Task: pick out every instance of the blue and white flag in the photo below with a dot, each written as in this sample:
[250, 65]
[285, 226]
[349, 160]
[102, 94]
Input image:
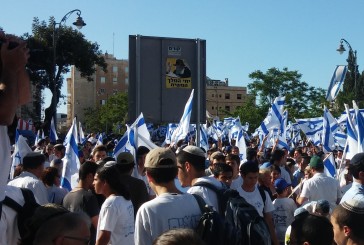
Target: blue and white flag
[38, 137]
[52, 132]
[329, 165]
[282, 138]
[121, 145]
[139, 128]
[235, 129]
[170, 130]
[359, 128]
[328, 141]
[274, 117]
[21, 149]
[183, 127]
[240, 143]
[100, 139]
[310, 126]
[81, 133]
[71, 163]
[203, 137]
[352, 137]
[337, 79]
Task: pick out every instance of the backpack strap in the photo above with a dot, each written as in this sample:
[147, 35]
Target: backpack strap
[28, 195]
[12, 204]
[217, 192]
[201, 203]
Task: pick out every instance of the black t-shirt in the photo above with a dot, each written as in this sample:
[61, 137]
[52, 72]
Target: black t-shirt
[85, 201]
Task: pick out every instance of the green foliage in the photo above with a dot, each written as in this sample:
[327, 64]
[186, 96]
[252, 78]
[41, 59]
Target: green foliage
[302, 100]
[71, 49]
[109, 116]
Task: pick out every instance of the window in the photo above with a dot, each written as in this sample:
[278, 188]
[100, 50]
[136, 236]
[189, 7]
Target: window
[126, 80]
[227, 96]
[212, 108]
[219, 95]
[213, 95]
[114, 79]
[126, 69]
[102, 79]
[114, 69]
[102, 102]
[227, 108]
[102, 90]
[238, 96]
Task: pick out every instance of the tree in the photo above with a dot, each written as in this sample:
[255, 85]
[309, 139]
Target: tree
[71, 49]
[302, 100]
[108, 117]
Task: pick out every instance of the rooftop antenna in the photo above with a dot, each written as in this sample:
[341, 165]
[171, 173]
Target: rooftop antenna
[113, 41]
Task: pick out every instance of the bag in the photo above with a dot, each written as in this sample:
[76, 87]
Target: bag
[24, 212]
[240, 222]
[212, 228]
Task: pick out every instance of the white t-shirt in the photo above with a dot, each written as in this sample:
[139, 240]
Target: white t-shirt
[9, 233]
[255, 199]
[207, 194]
[283, 216]
[285, 175]
[117, 216]
[320, 186]
[5, 159]
[236, 183]
[165, 212]
[30, 181]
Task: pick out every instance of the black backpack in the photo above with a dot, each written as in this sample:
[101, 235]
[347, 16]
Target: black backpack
[239, 223]
[24, 212]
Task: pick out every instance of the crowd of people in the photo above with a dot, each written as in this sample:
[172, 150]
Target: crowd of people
[147, 198]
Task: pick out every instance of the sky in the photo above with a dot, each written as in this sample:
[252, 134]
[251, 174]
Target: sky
[241, 36]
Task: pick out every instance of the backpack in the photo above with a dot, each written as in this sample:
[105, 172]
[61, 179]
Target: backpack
[239, 223]
[24, 212]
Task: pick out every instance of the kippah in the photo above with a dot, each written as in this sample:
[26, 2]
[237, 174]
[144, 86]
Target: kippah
[109, 164]
[194, 150]
[355, 206]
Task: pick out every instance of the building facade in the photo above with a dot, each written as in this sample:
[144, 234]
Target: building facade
[83, 94]
[222, 98]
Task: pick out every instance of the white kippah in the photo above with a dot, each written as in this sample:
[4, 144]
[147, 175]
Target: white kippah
[355, 206]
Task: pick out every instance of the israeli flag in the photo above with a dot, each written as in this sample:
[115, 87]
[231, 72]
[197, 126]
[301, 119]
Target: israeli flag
[337, 79]
[21, 149]
[71, 163]
[183, 127]
[240, 143]
[100, 139]
[121, 145]
[310, 126]
[170, 130]
[203, 137]
[328, 141]
[234, 130]
[352, 137]
[282, 138]
[81, 133]
[140, 128]
[329, 166]
[359, 127]
[38, 137]
[274, 117]
[52, 132]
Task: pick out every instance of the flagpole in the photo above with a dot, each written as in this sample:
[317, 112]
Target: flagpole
[198, 92]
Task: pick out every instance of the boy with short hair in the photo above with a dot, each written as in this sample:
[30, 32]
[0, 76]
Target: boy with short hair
[223, 173]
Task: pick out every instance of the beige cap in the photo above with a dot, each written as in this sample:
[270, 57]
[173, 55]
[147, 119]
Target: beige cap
[155, 156]
[194, 150]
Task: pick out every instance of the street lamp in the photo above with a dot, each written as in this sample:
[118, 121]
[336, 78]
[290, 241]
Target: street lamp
[351, 60]
[79, 23]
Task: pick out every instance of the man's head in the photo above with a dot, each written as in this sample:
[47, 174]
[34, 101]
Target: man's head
[87, 172]
[316, 164]
[99, 153]
[33, 162]
[191, 164]
[297, 154]
[249, 171]
[224, 173]
[125, 163]
[160, 165]
[357, 167]
[234, 162]
[235, 150]
[281, 186]
[141, 154]
[311, 230]
[277, 157]
[348, 222]
[59, 151]
[216, 157]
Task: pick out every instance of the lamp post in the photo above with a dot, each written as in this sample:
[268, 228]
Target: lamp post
[79, 23]
[351, 61]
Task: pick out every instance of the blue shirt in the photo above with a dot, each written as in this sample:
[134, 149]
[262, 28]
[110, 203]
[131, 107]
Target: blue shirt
[356, 192]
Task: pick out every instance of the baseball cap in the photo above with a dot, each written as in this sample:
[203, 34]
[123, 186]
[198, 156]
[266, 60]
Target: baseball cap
[316, 162]
[155, 157]
[194, 150]
[281, 184]
[265, 165]
[125, 158]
